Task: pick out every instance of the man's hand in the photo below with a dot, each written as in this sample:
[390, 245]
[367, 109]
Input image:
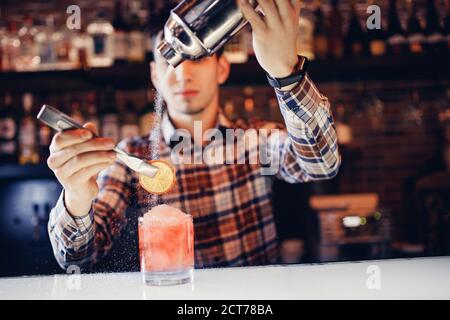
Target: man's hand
[274, 34]
[76, 158]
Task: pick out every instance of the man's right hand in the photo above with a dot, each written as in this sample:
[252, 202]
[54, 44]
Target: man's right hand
[76, 158]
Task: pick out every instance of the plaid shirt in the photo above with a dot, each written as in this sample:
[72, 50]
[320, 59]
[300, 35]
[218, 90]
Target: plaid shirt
[230, 203]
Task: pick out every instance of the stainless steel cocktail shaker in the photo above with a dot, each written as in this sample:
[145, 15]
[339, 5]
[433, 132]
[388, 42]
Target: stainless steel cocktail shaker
[197, 28]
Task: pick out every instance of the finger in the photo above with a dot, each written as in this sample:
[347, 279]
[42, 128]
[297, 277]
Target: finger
[91, 127]
[270, 12]
[85, 160]
[286, 9]
[67, 138]
[87, 173]
[298, 4]
[59, 158]
[256, 21]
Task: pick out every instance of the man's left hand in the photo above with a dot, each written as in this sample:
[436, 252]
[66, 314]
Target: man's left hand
[274, 34]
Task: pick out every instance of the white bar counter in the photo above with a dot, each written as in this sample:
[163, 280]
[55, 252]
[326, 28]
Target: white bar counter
[419, 278]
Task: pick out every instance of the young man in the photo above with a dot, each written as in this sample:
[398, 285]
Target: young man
[230, 203]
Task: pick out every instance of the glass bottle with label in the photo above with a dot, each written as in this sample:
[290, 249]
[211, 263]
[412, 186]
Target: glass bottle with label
[129, 125]
[447, 23]
[28, 153]
[416, 37]
[91, 110]
[396, 35]
[249, 101]
[120, 33]
[45, 45]
[336, 38]
[320, 33]
[435, 38]
[62, 40]
[101, 33]
[81, 49]
[146, 115]
[75, 111]
[136, 41]
[376, 38]
[10, 44]
[356, 44]
[230, 110]
[27, 58]
[110, 120]
[8, 131]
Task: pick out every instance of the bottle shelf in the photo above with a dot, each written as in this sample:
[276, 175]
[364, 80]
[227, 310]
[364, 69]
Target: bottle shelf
[137, 76]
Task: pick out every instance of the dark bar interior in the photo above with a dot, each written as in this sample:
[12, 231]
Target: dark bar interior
[388, 88]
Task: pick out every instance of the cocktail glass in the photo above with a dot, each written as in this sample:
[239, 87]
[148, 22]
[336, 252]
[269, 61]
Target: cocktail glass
[166, 246]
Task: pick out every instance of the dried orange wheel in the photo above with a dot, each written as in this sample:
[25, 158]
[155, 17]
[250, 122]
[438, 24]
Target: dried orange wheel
[162, 182]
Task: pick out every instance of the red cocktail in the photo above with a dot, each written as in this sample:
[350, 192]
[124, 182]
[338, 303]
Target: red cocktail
[166, 246]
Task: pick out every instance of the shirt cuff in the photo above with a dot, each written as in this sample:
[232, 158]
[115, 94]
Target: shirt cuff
[78, 226]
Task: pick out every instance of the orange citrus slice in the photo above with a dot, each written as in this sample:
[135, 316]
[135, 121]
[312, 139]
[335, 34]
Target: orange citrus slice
[162, 182]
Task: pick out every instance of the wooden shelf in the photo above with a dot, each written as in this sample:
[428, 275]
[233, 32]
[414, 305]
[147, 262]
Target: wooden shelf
[136, 76]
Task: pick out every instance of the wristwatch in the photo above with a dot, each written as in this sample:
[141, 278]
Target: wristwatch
[297, 76]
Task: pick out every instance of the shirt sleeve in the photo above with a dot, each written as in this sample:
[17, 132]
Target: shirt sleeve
[81, 241]
[308, 151]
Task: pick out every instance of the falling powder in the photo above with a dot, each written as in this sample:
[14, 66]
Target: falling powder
[155, 137]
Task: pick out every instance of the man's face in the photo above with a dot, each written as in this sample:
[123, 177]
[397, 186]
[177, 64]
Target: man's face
[193, 86]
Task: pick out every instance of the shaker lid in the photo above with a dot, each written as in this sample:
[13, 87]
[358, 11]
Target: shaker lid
[170, 54]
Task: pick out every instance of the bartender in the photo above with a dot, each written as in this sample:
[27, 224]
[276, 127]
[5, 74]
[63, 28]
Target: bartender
[231, 203]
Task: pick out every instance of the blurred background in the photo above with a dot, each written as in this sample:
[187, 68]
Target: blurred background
[389, 91]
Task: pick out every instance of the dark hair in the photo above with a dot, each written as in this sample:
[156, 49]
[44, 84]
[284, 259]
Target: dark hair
[158, 37]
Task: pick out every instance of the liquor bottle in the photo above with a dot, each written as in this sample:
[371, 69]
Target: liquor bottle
[336, 38]
[376, 38]
[146, 114]
[27, 58]
[435, 38]
[249, 101]
[447, 23]
[91, 110]
[343, 128]
[305, 40]
[396, 35]
[28, 153]
[81, 49]
[120, 34]
[8, 131]
[320, 33]
[136, 41]
[109, 118]
[355, 41]
[230, 110]
[154, 21]
[62, 41]
[101, 32]
[10, 44]
[129, 125]
[75, 111]
[45, 44]
[416, 36]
